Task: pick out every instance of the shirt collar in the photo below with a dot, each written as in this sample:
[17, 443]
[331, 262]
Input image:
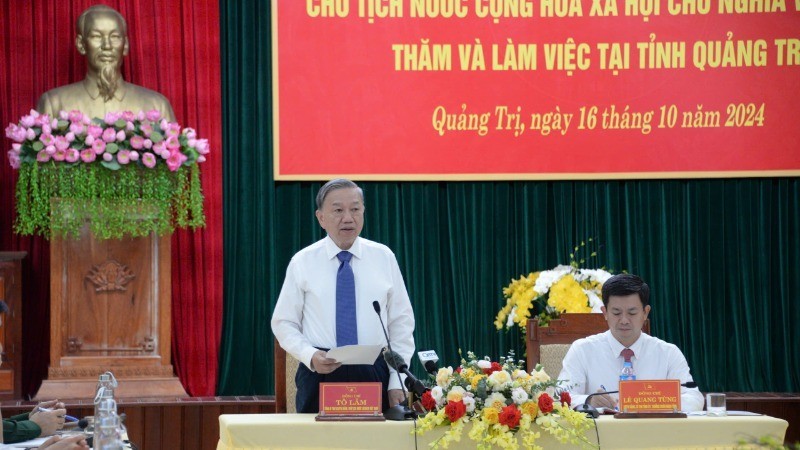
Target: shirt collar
[331, 249]
[616, 347]
[94, 91]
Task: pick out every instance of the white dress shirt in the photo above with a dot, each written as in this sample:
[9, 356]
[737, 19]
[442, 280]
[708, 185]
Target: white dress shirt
[594, 363]
[305, 314]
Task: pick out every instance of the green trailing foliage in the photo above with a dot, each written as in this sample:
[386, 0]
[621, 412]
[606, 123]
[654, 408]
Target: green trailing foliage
[133, 201]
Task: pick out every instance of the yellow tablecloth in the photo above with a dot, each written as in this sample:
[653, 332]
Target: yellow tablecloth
[301, 431]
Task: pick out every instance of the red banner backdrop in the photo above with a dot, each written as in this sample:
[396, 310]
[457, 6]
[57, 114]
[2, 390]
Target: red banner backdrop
[546, 89]
[175, 51]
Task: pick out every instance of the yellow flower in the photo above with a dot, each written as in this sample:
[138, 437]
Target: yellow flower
[566, 295]
[456, 394]
[475, 380]
[545, 295]
[443, 376]
[491, 415]
[467, 373]
[530, 408]
[499, 379]
[540, 376]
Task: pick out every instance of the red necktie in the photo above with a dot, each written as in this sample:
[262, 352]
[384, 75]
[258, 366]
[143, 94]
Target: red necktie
[627, 354]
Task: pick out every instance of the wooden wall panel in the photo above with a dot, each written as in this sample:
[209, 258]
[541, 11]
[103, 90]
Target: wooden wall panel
[177, 424]
[172, 427]
[192, 424]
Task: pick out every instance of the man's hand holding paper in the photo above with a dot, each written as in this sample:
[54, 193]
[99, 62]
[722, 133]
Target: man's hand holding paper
[355, 354]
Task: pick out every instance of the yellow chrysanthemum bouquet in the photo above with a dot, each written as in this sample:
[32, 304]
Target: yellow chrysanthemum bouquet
[550, 293]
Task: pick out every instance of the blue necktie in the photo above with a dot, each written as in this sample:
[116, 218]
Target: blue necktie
[346, 326]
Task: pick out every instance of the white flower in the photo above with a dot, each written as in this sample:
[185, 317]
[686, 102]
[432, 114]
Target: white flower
[469, 402]
[594, 301]
[599, 275]
[438, 394]
[443, 376]
[510, 320]
[499, 380]
[519, 396]
[519, 373]
[548, 277]
[540, 376]
[495, 397]
[456, 394]
[484, 364]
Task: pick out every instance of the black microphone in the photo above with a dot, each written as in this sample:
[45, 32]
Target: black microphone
[428, 358]
[397, 412]
[431, 367]
[592, 412]
[377, 307]
[82, 424]
[397, 363]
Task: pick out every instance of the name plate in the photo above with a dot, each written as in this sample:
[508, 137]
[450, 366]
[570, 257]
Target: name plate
[650, 396]
[350, 401]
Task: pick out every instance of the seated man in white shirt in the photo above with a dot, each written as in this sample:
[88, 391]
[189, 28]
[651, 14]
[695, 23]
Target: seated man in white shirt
[314, 313]
[593, 364]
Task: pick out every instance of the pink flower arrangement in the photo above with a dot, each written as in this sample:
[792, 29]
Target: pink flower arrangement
[116, 140]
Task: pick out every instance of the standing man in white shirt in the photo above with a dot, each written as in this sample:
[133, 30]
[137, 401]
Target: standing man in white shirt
[316, 310]
[593, 364]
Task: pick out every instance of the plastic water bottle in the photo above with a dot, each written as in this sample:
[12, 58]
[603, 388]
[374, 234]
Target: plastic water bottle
[627, 373]
[105, 388]
[107, 432]
[106, 384]
[107, 381]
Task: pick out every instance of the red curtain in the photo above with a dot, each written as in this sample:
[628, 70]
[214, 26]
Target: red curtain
[175, 51]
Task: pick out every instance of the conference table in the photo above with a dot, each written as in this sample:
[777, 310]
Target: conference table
[301, 431]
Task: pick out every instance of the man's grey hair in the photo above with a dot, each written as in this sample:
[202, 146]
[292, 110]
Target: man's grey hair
[100, 9]
[338, 183]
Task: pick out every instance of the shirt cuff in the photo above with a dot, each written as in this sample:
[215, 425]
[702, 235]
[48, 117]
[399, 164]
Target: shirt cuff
[394, 383]
[307, 356]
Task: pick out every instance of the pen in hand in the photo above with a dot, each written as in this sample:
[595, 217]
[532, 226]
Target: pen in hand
[67, 417]
[613, 408]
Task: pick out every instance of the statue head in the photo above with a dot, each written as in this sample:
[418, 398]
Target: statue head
[102, 36]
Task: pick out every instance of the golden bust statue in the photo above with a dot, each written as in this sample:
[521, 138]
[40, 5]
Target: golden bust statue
[102, 36]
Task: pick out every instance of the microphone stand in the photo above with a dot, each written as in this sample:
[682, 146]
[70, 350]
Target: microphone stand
[401, 411]
[590, 410]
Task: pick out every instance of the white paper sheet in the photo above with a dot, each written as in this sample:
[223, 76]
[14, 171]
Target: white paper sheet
[355, 354]
[34, 442]
[729, 412]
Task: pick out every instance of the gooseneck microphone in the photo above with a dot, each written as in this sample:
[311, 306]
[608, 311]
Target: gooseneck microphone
[397, 363]
[377, 307]
[592, 412]
[401, 411]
